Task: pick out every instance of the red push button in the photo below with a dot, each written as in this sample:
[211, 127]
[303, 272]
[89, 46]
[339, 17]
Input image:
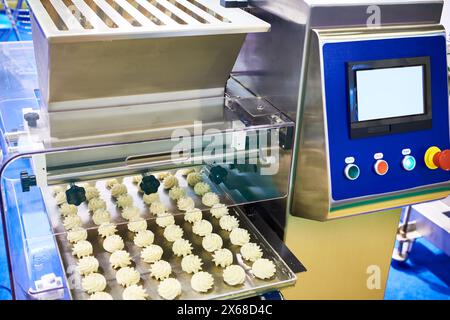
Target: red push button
[442, 160]
[381, 167]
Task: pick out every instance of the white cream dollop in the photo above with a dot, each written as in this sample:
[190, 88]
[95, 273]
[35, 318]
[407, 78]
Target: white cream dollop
[134, 292]
[137, 179]
[91, 193]
[87, 265]
[94, 282]
[82, 248]
[234, 275]
[181, 247]
[169, 288]
[71, 222]
[60, 198]
[228, 222]
[193, 215]
[184, 172]
[127, 276]
[68, 209]
[151, 253]
[165, 220]
[239, 236]
[77, 234]
[185, 203]
[150, 198]
[84, 185]
[124, 200]
[56, 190]
[201, 188]
[263, 269]
[118, 189]
[144, 238]
[158, 208]
[106, 230]
[162, 175]
[100, 295]
[120, 259]
[251, 251]
[223, 258]
[176, 193]
[113, 243]
[137, 224]
[101, 216]
[202, 228]
[96, 203]
[191, 264]
[170, 181]
[219, 210]
[202, 281]
[160, 270]
[131, 213]
[173, 232]
[212, 242]
[209, 199]
[193, 178]
[111, 182]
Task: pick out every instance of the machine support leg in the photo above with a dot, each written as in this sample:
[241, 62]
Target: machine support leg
[406, 235]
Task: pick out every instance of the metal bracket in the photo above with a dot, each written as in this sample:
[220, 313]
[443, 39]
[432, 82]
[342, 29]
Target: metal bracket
[27, 181]
[406, 236]
[287, 138]
[49, 287]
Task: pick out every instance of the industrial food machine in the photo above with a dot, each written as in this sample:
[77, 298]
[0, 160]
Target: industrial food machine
[308, 119]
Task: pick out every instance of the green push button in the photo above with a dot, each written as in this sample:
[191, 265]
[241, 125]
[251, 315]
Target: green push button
[352, 171]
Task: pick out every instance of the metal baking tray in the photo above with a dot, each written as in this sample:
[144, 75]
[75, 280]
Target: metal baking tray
[252, 286]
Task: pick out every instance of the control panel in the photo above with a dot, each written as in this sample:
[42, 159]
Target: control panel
[387, 115]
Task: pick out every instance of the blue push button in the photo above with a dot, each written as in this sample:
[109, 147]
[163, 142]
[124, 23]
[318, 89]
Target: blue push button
[352, 171]
[409, 163]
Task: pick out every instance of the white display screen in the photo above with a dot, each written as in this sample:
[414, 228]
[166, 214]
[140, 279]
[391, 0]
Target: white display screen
[390, 92]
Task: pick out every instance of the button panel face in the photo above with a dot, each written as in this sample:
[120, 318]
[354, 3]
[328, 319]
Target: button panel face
[335, 60]
[381, 167]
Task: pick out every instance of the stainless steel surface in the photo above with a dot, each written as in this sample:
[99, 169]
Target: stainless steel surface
[122, 73]
[120, 54]
[69, 20]
[252, 286]
[272, 65]
[432, 221]
[310, 196]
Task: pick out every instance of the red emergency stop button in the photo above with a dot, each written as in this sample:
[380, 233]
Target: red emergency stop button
[442, 160]
[381, 167]
[436, 158]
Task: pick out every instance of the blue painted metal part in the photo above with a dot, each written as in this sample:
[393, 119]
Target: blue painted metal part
[273, 295]
[335, 57]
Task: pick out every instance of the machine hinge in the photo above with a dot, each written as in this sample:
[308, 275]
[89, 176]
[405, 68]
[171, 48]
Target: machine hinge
[27, 181]
[287, 138]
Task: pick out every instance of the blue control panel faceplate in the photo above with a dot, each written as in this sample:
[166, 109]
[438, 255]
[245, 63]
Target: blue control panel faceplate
[336, 57]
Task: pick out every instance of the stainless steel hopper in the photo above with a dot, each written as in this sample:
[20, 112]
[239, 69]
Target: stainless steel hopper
[103, 54]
